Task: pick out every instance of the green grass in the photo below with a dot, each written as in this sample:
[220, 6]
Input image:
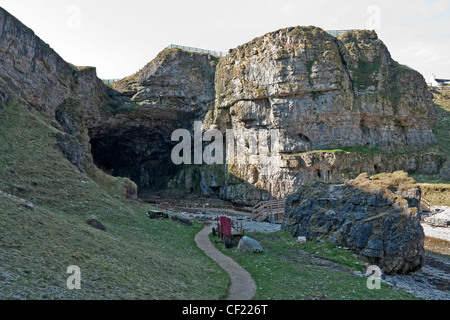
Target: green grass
[329, 251]
[366, 72]
[286, 270]
[135, 258]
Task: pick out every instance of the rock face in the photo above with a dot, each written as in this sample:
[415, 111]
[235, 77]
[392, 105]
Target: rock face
[175, 79]
[376, 218]
[71, 97]
[253, 183]
[324, 92]
[39, 75]
[169, 93]
[320, 92]
[444, 173]
[46, 82]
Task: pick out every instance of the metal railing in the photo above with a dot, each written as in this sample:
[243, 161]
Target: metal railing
[192, 49]
[335, 33]
[107, 81]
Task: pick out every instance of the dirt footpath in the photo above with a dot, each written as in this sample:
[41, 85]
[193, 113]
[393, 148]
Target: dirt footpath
[242, 285]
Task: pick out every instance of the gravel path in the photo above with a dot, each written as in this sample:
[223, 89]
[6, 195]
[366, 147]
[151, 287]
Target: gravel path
[242, 285]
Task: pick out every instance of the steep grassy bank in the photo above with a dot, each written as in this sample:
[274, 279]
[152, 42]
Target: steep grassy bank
[45, 203]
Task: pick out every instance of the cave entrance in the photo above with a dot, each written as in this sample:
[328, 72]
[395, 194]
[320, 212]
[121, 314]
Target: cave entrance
[142, 156]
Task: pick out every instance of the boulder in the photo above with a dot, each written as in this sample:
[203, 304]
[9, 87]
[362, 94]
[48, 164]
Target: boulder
[366, 215]
[96, 224]
[247, 244]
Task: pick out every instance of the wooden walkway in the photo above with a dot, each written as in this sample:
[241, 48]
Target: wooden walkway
[271, 209]
[425, 204]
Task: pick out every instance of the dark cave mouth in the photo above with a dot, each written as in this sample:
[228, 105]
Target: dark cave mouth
[145, 161]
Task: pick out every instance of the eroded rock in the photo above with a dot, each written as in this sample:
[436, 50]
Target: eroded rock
[366, 215]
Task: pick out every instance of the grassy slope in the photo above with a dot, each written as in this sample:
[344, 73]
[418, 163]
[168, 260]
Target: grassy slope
[284, 271]
[136, 258]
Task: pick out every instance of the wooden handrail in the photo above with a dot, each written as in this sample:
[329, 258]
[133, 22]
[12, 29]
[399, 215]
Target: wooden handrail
[425, 204]
[262, 209]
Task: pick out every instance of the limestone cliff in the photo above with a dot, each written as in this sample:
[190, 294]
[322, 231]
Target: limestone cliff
[39, 75]
[175, 79]
[171, 92]
[322, 93]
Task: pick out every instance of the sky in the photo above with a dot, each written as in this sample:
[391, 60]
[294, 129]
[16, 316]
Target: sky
[120, 37]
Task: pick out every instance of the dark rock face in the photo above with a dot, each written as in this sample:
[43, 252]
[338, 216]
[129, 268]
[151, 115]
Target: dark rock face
[169, 93]
[375, 222]
[444, 173]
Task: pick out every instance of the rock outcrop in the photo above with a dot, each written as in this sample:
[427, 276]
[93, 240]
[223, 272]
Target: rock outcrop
[377, 218]
[324, 92]
[444, 173]
[321, 93]
[71, 97]
[169, 93]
